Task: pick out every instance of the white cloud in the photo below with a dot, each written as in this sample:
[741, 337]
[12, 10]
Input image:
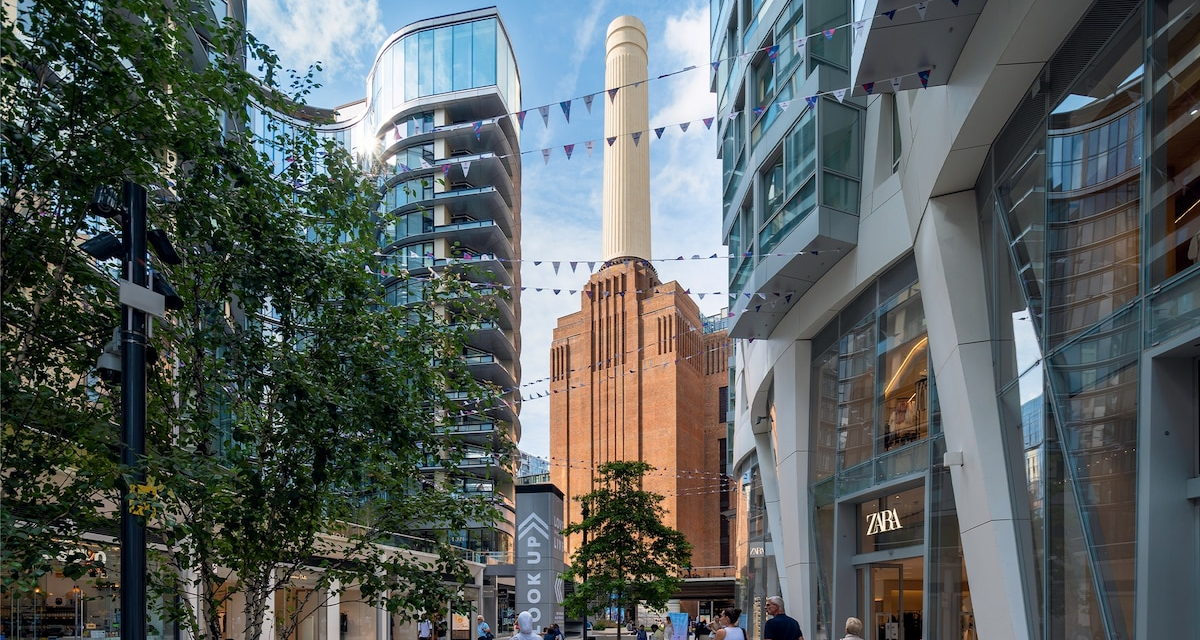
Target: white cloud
[339, 35]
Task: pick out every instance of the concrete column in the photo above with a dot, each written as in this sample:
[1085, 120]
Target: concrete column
[626, 215]
[993, 518]
[333, 610]
[790, 528]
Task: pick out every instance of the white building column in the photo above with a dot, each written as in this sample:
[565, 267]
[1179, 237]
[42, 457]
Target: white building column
[993, 519]
[333, 611]
[268, 621]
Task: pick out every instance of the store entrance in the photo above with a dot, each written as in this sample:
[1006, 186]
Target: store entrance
[893, 593]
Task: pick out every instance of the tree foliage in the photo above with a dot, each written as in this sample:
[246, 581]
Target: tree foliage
[630, 557]
[291, 408]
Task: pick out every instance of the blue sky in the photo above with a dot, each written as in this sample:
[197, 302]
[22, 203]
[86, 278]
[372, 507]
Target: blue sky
[560, 53]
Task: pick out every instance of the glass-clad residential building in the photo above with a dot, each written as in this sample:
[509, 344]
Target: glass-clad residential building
[438, 131]
[970, 405]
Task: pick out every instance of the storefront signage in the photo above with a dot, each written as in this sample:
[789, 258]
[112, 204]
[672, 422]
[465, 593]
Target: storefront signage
[883, 521]
[758, 550]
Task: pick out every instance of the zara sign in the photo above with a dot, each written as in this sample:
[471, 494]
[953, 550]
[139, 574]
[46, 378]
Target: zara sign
[883, 521]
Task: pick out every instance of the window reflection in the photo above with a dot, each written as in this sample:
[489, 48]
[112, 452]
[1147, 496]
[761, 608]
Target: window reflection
[904, 372]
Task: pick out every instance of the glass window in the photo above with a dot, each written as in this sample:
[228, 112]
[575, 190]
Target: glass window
[483, 71]
[840, 148]
[443, 60]
[800, 151]
[462, 56]
[903, 371]
[411, 61]
[856, 394]
[1174, 117]
[426, 63]
[825, 415]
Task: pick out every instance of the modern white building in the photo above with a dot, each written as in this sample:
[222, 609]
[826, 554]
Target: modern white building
[964, 238]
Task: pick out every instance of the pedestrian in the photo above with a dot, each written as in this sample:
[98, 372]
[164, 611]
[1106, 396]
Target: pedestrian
[641, 633]
[425, 629]
[525, 627]
[854, 629]
[656, 632]
[558, 634]
[482, 629]
[780, 626]
[729, 627]
[701, 629]
[547, 633]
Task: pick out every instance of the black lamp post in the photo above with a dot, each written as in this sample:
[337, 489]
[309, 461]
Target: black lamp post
[139, 296]
[584, 509]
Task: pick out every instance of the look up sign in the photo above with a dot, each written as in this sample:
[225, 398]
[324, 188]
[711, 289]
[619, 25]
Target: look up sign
[539, 553]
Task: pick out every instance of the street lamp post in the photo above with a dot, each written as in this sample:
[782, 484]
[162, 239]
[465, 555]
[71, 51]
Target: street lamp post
[584, 509]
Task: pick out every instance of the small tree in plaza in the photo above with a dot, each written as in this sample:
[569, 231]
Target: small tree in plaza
[629, 557]
[297, 403]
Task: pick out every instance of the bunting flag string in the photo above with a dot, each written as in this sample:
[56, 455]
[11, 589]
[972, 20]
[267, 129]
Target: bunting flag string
[772, 52]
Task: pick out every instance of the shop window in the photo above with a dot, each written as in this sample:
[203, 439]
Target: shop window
[892, 521]
[1174, 120]
[903, 372]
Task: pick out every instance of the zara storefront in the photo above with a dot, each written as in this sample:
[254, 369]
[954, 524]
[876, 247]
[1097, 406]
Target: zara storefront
[982, 421]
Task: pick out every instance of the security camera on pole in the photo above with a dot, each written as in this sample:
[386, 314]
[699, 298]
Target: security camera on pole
[137, 300]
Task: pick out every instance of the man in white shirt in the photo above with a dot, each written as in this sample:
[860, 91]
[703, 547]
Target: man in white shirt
[424, 629]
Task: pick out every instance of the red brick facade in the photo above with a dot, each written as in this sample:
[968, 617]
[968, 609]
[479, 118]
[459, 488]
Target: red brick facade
[634, 377]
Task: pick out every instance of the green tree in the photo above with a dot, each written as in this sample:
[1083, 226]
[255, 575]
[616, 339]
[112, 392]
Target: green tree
[630, 557]
[294, 411]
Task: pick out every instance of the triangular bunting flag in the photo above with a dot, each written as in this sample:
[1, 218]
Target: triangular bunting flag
[716, 65]
[701, 294]
[869, 87]
[858, 29]
[800, 42]
[773, 53]
[891, 15]
[521, 118]
[758, 111]
[466, 167]
[829, 33]
[611, 140]
[955, 2]
[638, 84]
[895, 84]
[545, 111]
[924, 76]
[569, 149]
[783, 105]
[637, 136]
[733, 114]
[684, 125]
[589, 144]
[546, 156]
[425, 164]
[658, 132]
[398, 134]
[840, 94]
[476, 127]
[811, 100]
[573, 265]
[921, 7]
[556, 291]
[707, 123]
[446, 169]
[404, 168]
[587, 101]
[745, 56]
[612, 94]
[566, 107]
[591, 266]
[555, 264]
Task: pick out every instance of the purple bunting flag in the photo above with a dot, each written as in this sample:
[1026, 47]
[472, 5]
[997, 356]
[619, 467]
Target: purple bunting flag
[404, 168]
[446, 169]
[829, 33]
[811, 100]
[587, 101]
[637, 136]
[476, 127]
[869, 87]
[716, 65]
[658, 132]
[611, 140]
[758, 111]
[568, 149]
[612, 94]
[708, 123]
[566, 107]
[891, 15]
[773, 53]
[924, 76]
[521, 118]
[683, 126]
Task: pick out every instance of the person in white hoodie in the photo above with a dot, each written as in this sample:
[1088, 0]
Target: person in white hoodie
[525, 629]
